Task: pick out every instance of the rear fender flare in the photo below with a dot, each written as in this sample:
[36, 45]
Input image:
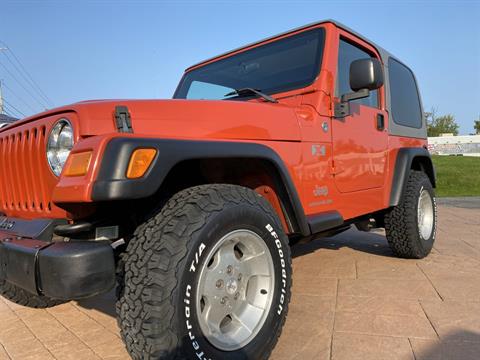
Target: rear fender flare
[408, 158]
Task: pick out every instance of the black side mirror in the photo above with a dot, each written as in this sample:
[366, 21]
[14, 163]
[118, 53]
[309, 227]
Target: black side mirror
[365, 75]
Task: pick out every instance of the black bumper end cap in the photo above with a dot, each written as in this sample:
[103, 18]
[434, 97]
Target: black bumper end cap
[63, 270]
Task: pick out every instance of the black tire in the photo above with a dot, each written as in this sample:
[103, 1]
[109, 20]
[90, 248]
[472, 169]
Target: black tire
[401, 222]
[22, 297]
[155, 273]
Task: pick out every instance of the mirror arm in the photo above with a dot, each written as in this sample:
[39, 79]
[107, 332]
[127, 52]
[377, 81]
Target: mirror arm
[360, 94]
[342, 109]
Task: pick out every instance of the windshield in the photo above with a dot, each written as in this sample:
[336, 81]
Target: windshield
[282, 65]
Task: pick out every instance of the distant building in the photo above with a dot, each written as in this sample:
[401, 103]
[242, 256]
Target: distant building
[6, 120]
[468, 145]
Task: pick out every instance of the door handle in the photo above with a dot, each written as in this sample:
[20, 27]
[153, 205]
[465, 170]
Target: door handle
[380, 122]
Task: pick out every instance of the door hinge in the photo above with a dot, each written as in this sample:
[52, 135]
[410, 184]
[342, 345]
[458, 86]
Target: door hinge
[341, 110]
[123, 119]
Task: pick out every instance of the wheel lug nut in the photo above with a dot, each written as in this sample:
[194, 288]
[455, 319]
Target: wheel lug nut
[219, 284]
[223, 300]
[237, 295]
[240, 277]
[229, 269]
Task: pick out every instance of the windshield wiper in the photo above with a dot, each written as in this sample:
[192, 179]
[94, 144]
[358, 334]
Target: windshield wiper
[250, 91]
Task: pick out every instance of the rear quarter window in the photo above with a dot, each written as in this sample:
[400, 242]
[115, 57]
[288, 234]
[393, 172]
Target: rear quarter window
[404, 98]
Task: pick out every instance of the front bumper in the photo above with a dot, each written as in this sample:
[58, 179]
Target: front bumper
[60, 270]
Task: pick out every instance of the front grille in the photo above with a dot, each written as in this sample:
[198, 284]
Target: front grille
[26, 183]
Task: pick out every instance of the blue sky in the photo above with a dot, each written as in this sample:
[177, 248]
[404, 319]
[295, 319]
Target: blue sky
[78, 50]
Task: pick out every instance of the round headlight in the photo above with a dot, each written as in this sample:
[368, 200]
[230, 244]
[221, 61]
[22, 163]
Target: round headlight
[60, 143]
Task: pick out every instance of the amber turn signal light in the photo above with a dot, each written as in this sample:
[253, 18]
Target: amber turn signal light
[77, 164]
[140, 161]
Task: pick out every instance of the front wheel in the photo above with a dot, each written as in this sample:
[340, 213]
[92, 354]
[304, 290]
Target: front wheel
[208, 277]
[411, 225]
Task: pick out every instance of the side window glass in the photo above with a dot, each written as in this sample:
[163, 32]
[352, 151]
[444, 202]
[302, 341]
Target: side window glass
[347, 53]
[404, 97]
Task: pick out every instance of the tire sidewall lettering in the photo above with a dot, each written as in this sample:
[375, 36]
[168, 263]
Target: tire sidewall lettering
[278, 243]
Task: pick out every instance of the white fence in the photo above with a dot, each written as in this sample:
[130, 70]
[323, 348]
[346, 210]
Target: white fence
[455, 145]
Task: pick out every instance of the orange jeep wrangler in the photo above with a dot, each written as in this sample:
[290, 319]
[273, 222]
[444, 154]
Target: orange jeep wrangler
[190, 205]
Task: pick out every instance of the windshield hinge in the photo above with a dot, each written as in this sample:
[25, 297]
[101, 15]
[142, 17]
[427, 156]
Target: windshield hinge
[123, 119]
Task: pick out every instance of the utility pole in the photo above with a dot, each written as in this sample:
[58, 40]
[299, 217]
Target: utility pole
[1, 98]
[1, 95]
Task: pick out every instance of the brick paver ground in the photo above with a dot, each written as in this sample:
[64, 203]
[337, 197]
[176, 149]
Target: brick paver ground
[351, 300]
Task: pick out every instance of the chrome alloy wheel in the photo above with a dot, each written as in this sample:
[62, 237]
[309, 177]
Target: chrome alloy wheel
[425, 214]
[235, 290]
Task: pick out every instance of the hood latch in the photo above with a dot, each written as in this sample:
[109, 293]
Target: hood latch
[123, 119]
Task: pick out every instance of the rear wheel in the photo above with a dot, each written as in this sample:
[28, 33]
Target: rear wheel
[207, 277]
[411, 225]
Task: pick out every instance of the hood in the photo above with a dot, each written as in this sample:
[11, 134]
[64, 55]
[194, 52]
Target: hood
[199, 119]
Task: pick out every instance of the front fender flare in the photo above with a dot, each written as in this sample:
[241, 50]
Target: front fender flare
[111, 183]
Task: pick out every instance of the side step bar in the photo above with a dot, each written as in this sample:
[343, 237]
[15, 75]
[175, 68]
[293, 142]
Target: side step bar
[324, 221]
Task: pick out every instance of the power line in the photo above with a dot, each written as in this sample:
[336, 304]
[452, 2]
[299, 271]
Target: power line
[28, 78]
[7, 113]
[24, 88]
[31, 78]
[7, 110]
[13, 107]
[27, 81]
[18, 97]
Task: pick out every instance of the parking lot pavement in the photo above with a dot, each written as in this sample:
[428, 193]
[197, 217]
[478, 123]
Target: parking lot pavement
[351, 300]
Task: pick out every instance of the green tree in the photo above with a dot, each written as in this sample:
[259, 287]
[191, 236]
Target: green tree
[441, 125]
[476, 126]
